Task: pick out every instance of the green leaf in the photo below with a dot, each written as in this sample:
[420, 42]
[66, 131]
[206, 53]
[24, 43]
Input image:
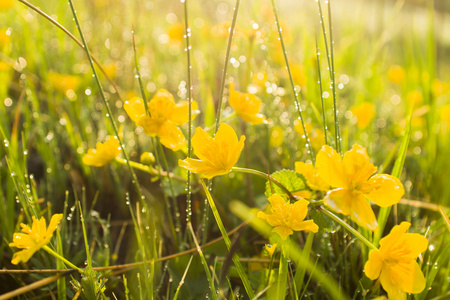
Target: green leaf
[323, 221]
[293, 181]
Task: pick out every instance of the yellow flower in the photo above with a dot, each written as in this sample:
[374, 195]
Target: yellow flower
[314, 181]
[175, 33]
[5, 38]
[103, 154]
[164, 116]
[444, 113]
[395, 262]
[364, 113]
[270, 249]
[286, 217]
[34, 238]
[316, 136]
[414, 97]
[396, 74]
[63, 82]
[247, 106]
[352, 179]
[6, 5]
[217, 155]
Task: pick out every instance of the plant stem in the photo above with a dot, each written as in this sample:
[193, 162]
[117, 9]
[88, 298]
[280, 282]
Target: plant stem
[49, 250]
[105, 102]
[352, 230]
[149, 169]
[294, 91]
[189, 145]
[227, 58]
[265, 176]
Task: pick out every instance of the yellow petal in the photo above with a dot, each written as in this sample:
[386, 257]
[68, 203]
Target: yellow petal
[389, 242]
[314, 181]
[162, 105]
[54, 221]
[330, 167]
[415, 243]
[339, 200]
[247, 106]
[414, 282]
[357, 165]
[372, 268]
[205, 169]
[275, 200]
[228, 148]
[21, 240]
[180, 114]
[23, 256]
[300, 209]
[363, 214]
[135, 108]
[398, 278]
[283, 231]
[353, 204]
[386, 190]
[150, 125]
[171, 136]
[203, 145]
[253, 119]
[307, 226]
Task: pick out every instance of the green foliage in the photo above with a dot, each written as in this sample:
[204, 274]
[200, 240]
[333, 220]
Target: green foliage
[293, 181]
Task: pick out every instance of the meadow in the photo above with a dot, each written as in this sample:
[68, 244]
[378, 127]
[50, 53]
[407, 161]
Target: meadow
[225, 149]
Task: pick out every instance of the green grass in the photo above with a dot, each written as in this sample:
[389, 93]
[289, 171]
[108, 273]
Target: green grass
[133, 238]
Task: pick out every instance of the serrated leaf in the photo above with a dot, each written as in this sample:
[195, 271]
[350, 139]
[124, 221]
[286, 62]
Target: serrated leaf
[293, 181]
[324, 222]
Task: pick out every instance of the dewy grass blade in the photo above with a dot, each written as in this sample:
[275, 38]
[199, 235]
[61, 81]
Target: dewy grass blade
[227, 241]
[138, 74]
[53, 21]
[227, 58]
[187, 36]
[295, 253]
[105, 102]
[324, 118]
[333, 83]
[294, 91]
[396, 172]
[204, 262]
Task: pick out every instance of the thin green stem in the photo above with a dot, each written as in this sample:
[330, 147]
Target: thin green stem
[324, 118]
[187, 36]
[105, 102]
[333, 83]
[324, 31]
[150, 169]
[174, 199]
[227, 241]
[138, 74]
[294, 91]
[265, 176]
[166, 201]
[227, 58]
[282, 274]
[49, 250]
[352, 230]
[68, 33]
[229, 117]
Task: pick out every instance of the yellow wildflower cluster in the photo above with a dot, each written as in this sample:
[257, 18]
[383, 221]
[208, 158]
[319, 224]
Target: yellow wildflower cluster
[352, 183]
